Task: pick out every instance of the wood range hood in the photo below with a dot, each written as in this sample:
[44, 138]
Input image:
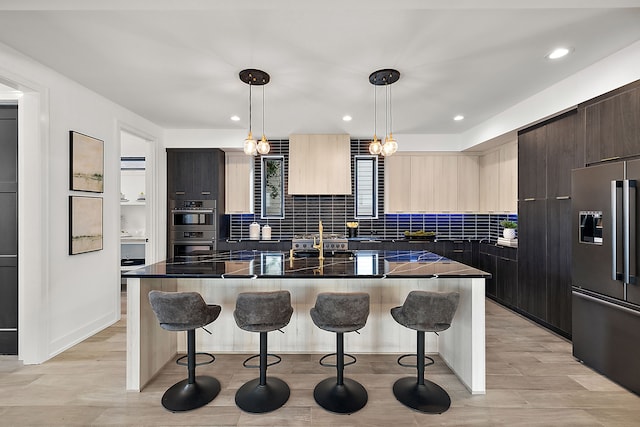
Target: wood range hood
[319, 164]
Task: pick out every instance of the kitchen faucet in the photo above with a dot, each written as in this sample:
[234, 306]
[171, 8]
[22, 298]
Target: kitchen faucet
[320, 245]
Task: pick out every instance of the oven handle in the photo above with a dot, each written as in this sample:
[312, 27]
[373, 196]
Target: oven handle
[192, 211]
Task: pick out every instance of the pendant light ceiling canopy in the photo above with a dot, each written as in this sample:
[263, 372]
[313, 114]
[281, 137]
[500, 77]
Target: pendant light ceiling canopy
[385, 77]
[254, 77]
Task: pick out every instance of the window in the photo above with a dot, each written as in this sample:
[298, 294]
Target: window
[272, 178]
[366, 186]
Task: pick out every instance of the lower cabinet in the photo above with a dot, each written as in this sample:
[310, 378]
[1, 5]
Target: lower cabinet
[502, 263]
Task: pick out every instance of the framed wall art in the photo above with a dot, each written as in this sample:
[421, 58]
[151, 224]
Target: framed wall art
[85, 224]
[86, 163]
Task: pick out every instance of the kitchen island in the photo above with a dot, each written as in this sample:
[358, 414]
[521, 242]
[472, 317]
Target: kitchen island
[388, 276]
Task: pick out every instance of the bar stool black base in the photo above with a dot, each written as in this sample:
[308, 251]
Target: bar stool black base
[347, 398]
[183, 396]
[429, 398]
[256, 398]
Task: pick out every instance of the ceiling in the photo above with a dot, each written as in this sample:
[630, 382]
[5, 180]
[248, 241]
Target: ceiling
[176, 63]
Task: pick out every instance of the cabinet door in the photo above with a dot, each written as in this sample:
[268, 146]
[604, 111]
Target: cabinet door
[532, 257]
[559, 264]
[532, 164]
[445, 183]
[563, 154]
[238, 183]
[468, 183]
[507, 280]
[422, 184]
[490, 181]
[180, 174]
[205, 167]
[612, 126]
[508, 178]
[487, 263]
[397, 184]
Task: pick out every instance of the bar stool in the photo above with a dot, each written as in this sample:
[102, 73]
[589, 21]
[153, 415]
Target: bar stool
[340, 313]
[186, 311]
[424, 311]
[263, 312]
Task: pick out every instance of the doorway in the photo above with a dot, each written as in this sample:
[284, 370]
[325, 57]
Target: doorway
[134, 201]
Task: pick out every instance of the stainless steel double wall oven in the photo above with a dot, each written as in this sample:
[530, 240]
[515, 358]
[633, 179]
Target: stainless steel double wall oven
[192, 227]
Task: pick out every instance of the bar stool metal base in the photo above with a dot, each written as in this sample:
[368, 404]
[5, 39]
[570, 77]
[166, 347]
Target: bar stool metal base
[183, 396]
[345, 398]
[256, 398]
[429, 398]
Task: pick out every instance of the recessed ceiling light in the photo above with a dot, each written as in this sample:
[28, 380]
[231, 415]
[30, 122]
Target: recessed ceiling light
[458, 117]
[346, 118]
[558, 53]
[235, 118]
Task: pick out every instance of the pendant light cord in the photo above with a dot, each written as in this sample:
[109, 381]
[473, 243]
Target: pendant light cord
[263, 110]
[249, 106]
[375, 111]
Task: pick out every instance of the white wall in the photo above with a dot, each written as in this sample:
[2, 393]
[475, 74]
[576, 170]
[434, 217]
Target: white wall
[63, 299]
[617, 70]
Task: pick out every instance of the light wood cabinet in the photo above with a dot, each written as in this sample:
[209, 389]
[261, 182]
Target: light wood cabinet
[468, 183]
[499, 179]
[427, 182]
[397, 184]
[238, 183]
[319, 164]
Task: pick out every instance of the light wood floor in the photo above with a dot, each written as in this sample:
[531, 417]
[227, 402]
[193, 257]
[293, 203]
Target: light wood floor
[532, 379]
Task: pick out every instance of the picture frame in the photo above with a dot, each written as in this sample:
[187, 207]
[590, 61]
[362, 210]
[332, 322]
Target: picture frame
[85, 224]
[86, 163]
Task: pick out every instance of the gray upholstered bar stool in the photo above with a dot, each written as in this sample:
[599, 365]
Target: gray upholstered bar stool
[187, 311]
[263, 312]
[424, 311]
[340, 313]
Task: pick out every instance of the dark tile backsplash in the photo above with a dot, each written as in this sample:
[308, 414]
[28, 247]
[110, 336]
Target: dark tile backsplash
[302, 213]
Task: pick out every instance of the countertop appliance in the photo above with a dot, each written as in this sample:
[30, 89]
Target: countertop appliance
[605, 261]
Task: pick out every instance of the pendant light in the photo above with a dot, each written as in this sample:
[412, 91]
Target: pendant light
[375, 147]
[386, 78]
[253, 77]
[263, 146]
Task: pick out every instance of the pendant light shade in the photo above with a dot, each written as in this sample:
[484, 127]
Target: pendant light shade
[385, 78]
[254, 77]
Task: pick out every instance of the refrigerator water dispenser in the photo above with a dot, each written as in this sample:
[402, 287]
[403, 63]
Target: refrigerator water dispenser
[591, 227]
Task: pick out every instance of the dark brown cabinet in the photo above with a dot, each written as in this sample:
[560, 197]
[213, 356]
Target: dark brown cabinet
[502, 263]
[532, 164]
[198, 174]
[194, 174]
[612, 124]
[559, 264]
[548, 152]
[532, 258]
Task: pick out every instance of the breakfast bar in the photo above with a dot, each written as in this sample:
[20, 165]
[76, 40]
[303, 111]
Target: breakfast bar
[388, 276]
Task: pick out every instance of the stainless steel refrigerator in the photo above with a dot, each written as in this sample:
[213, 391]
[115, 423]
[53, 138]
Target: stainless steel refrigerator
[605, 261]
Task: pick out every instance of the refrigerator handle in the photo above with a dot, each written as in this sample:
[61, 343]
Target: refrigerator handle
[614, 229]
[629, 227]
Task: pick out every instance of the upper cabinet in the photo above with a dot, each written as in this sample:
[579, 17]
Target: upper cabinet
[499, 179]
[428, 182]
[612, 124]
[319, 164]
[193, 174]
[239, 177]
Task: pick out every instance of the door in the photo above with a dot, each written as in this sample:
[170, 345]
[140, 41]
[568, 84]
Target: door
[633, 289]
[593, 262]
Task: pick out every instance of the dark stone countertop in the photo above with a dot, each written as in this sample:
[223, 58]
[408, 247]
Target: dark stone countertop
[277, 264]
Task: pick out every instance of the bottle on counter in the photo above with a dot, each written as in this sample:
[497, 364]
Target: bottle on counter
[254, 231]
[266, 232]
